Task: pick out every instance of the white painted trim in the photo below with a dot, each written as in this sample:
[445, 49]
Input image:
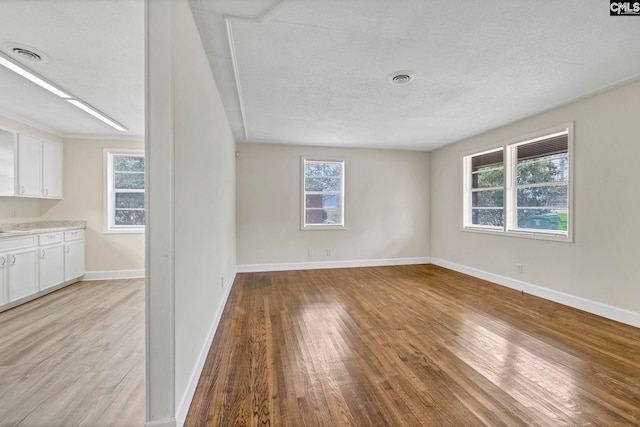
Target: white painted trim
[253, 268]
[113, 274]
[185, 403]
[236, 75]
[165, 422]
[594, 307]
[108, 226]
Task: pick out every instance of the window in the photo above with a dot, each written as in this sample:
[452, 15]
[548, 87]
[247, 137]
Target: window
[521, 188]
[124, 191]
[487, 189]
[323, 195]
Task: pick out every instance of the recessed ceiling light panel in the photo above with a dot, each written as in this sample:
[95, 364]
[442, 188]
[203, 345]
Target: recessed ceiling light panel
[402, 77]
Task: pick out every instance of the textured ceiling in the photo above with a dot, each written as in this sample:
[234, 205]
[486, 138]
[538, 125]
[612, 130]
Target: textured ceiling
[95, 51]
[316, 71]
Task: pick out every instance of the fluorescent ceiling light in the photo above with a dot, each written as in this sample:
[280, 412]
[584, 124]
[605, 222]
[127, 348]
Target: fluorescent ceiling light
[19, 69]
[97, 114]
[40, 81]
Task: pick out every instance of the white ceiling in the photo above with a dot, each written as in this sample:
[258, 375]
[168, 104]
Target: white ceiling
[95, 51]
[316, 71]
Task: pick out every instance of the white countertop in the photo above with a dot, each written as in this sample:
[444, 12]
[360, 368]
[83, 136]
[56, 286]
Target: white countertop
[23, 228]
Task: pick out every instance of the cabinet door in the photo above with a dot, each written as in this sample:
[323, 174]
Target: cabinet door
[7, 163]
[22, 274]
[4, 290]
[73, 260]
[51, 266]
[29, 166]
[51, 170]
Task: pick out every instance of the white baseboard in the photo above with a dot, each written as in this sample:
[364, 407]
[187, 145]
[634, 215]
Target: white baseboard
[185, 403]
[113, 274]
[254, 268]
[165, 422]
[600, 309]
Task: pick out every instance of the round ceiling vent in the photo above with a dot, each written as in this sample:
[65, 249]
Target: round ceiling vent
[402, 77]
[25, 52]
[30, 55]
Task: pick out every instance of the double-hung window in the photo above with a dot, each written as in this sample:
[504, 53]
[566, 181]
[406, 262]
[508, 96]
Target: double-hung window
[125, 211]
[322, 195]
[486, 189]
[521, 188]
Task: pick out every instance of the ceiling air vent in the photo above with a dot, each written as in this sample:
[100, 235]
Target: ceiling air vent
[24, 52]
[27, 54]
[401, 77]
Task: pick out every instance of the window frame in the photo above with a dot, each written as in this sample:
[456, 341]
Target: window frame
[468, 190]
[322, 227]
[510, 161]
[109, 191]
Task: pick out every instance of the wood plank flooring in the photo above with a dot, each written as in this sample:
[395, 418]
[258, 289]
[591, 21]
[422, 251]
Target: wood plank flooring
[411, 346]
[75, 357]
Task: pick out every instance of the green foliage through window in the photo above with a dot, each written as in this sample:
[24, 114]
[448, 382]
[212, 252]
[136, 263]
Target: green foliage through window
[539, 194]
[126, 192]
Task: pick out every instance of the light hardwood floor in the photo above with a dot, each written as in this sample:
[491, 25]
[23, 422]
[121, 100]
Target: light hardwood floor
[75, 357]
[410, 346]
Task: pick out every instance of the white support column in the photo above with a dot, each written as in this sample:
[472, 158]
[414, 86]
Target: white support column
[160, 276]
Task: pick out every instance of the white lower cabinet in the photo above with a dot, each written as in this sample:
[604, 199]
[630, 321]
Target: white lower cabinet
[22, 274]
[73, 254]
[4, 288]
[73, 260]
[18, 268]
[33, 264]
[50, 259]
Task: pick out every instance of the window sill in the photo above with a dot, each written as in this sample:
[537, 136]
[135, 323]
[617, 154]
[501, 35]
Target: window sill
[124, 231]
[323, 228]
[536, 235]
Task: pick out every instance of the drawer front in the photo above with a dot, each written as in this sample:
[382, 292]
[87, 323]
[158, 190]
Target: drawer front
[73, 235]
[7, 245]
[49, 238]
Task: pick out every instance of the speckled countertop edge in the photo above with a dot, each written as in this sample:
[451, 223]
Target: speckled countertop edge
[38, 227]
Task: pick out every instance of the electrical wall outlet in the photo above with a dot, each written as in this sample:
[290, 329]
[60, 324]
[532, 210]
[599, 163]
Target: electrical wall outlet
[329, 252]
[309, 252]
[520, 268]
[222, 282]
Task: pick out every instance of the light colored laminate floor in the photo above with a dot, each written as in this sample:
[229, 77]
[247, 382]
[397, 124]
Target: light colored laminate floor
[75, 357]
[411, 346]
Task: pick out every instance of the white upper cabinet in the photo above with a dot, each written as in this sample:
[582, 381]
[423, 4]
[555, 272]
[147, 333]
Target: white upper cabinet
[29, 166]
[51, 170]
[39, 168]
[7, 162]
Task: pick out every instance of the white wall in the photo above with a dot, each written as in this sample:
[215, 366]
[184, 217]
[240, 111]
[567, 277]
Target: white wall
[84, 199]
[386, 203]
[205, 168]
[602, 264]
[191, 198]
